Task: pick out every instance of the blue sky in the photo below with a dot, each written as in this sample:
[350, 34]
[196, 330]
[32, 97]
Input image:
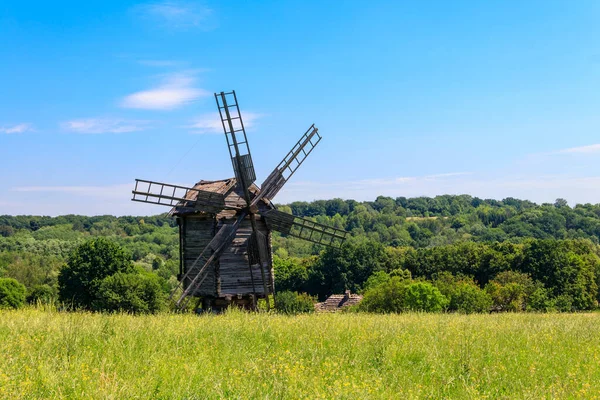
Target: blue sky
[492, 99]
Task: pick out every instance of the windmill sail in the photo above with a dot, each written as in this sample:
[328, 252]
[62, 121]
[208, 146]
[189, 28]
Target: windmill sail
[290, 163]
[174, 195]
[233, 126]
[305, 229]
[235, 134]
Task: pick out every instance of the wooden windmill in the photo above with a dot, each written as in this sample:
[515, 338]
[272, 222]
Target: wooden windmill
[225, 226]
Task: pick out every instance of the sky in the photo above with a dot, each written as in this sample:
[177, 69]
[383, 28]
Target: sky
[493, 99]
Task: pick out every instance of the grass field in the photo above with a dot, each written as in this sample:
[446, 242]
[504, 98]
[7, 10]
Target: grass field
[352, 356]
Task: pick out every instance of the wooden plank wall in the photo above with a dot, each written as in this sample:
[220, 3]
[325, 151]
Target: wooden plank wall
[234, 271]
[197, 233]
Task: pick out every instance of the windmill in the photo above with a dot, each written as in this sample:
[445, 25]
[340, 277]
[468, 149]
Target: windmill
[225, 226]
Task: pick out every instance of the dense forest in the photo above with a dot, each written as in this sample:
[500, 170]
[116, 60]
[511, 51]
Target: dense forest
[552, 248]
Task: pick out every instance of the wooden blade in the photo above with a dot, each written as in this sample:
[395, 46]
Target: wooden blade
[169, 195]
[290, 163]
[235, 134]
[305, 229]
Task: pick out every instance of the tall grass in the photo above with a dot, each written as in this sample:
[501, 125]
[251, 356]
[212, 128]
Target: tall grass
[45, 354]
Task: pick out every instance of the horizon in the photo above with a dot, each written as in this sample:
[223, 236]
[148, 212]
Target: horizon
[298, 201]
[489, 100]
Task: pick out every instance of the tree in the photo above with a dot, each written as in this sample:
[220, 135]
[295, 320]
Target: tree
[287, 302]
[12, 293]
[559, 203]
[130, 292]
[510, 291]
[463, 294]
[398, 295]
[423, 296]
[337, 270]
[44, 294]
[79, 280]
[290, 273]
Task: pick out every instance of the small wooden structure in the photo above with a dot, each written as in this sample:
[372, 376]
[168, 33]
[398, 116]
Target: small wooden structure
[337, 302]
[225, 226]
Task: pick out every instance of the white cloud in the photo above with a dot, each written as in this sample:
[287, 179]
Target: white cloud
[175, 91]
[592, 148]
[211, 122]
[19, 128]
[104, 125]
[177, 14]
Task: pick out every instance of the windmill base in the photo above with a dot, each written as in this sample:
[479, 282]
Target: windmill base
[217, 305]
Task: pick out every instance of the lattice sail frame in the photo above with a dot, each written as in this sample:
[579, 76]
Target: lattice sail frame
[233, 125]
[166, 194]
[304, 228]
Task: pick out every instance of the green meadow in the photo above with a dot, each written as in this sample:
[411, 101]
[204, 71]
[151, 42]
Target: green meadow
[49, 354]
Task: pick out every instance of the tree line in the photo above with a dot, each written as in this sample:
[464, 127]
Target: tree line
[545, 256]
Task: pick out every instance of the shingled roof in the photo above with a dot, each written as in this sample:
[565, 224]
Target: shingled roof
[336, 302]
[227, 187]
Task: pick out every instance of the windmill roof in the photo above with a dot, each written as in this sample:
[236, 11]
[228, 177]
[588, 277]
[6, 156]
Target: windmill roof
[227, 187]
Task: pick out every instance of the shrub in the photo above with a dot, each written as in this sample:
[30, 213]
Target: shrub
[399, 294]
[510, 291]
[563, 303]
[385, 298]
[539, 300]
[287, 302]
[44, 294]
[469, 298]
[87, 266]
[423, 296]
[12, 293]
[130, 292]
[463, 294]
[378, 278]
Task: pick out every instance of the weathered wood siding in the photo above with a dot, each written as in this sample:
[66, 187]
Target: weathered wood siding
[234, 270]
[197, 233]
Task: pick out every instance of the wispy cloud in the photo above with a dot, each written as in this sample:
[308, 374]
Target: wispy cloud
[211, 122]
[175, 91]
[177, 14]
[104, 125]
[592, 148]
[19, 128]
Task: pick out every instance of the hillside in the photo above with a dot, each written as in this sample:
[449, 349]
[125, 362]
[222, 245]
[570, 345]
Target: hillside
[426, 236]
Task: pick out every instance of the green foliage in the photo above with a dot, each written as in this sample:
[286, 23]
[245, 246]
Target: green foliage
[88, 265]
[423, 296]
[510, 291]
[287, 302]
[463, 294]
[347, 268]
[42, 294]
[567, 267]
[399, 295]
[130, 292]
[12, 293]
[557, 245]
[290, 273]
